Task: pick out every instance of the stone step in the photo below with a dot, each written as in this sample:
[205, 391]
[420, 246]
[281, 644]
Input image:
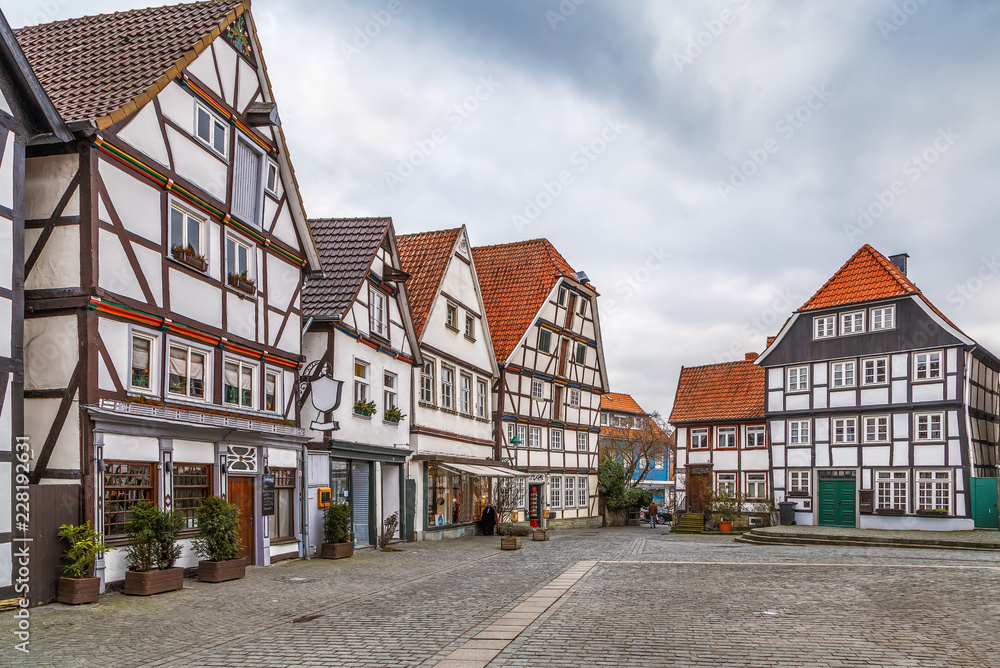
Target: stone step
[764, 539]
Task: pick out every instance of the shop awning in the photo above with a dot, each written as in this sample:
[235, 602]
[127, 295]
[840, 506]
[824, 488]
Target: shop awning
[483, 471]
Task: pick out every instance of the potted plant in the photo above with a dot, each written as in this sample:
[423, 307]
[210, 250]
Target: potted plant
[366, 408]
[242, 282]
[84, 546]
[337, 543]
[727, 506]
[152, 550]
[510, 536]
[218, 542]
[189, 256]
[393, 415]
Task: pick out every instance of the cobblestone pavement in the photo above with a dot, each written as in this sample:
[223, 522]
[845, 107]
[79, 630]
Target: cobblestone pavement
[651, 600]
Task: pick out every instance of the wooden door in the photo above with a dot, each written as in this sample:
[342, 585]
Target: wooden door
[984, 503]
[699, 491]
[836, 502]
[241, 494]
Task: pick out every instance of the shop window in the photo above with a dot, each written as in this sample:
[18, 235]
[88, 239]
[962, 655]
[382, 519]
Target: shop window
[125, 484]
[454, 498]
[192, 485]
[339, 481]
[283, 521]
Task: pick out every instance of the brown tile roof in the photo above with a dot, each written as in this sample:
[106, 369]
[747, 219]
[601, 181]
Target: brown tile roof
[515, 279]
[347, 247]
[730, 391]
[613, 401]
[866, 277]
[104, 67]
[425, 257]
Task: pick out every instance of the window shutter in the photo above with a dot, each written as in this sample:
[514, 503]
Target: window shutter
[246, 183]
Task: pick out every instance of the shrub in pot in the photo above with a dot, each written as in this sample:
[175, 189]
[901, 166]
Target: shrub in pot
[218, 542]
[726, 507]
[337, 524]
[152, 550]
[85, 544]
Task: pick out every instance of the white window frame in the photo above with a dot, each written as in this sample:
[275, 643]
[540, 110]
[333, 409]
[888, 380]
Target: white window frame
[873, 362]
[842, 372]
[378, 314]
[699, 439]
[279, 390]
[889, 483]
[878, 316]
[824, 327]
[929, 484]
[555, 439]
[797, 379]
[569, 491]
[845, 430]
[929, 372]
[269, 167]
[537, 389]
[447, 387]
[604, 419]
[583, 491]
[799, 482]
[214, 124]
[470, 327]
[755, 480]
[534, 437]
[202, 247]
[482, 399]
[522, 434]
[725, 480]
[581, 353]
[583, 441]
[206, 381]
[873, 420]
[451, 316]
[154, 361]
[389, 390]
[574, 397]
[756, 433]
[362, 383]
[720, 432]
[800, 426]
[465, 394]
[849, 324]
[427, 385]
[242, 364]
[555, 491]
[929, 428]
[239, 243]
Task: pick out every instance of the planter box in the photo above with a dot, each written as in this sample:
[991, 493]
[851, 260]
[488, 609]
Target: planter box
[153, 582]
[337, 550]
[78, 590]
[243, 285]
[889, 511]
[192, 261]
[221, 571]
[510, 543]
[540, 534]
[932, 513]
[391, 420]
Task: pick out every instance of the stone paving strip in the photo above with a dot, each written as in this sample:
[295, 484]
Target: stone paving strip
[482, 648]
[796, 564]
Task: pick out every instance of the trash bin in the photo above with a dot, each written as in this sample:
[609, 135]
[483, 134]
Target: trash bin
[786, 512]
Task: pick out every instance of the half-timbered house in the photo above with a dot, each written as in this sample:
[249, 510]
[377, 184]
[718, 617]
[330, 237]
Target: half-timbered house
[26, 116]
[882, 413]
[721, 434]
[546, 334]
[451, 431]
[361, 349]
[165, 252]
[636, 439]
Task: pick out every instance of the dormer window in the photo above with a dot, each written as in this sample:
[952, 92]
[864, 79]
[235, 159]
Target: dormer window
[210, 130]
[852, 323]
[883, 318]
[824, 327]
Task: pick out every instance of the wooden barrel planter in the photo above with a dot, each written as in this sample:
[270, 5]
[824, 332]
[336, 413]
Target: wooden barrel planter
[76, 591]
[510, 543]
[153, 582]
[337, 550]
[540, 534]
[222, 571]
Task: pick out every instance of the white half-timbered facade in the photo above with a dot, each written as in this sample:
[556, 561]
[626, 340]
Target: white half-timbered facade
[546, 334]
[165, 254]
[881, 412]
[360, 348]
[26, 116]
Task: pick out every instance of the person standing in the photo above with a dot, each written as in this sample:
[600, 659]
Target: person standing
[653, 512]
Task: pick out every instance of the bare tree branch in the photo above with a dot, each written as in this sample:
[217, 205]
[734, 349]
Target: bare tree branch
[638, 442]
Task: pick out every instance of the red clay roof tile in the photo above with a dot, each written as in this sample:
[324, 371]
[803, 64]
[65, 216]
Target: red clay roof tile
[866, 277]
[613, 401]
[425, 257]
[730, 391]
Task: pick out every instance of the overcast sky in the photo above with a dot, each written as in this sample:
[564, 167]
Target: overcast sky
[704, 162]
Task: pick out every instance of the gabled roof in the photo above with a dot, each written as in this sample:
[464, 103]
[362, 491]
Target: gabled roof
[515, 280]
[867, 276]
[44, 119]
[623, 403]
[102, 68]
[347, 247]
[729, 391]
[425, 257]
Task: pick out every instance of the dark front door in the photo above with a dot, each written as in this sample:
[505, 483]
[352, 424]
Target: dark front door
[984, 502]
[837, 499]
[699, 489]
[241, 494]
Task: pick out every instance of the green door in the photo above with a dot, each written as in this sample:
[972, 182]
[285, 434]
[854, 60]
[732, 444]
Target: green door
[836, 502]
[984, 502]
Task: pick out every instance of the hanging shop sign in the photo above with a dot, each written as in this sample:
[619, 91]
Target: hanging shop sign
[536, 477]
[267, 487]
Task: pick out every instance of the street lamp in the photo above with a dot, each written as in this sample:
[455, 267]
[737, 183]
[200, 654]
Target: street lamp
[515, 441]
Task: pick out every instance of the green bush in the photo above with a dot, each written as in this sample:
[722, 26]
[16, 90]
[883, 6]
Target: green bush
[152, 537]
[727, 505]
[337, 521]
[84, 546]
[218, 531]
[611, 483]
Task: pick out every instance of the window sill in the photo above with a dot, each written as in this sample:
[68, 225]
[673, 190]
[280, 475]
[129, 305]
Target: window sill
[755, 447]
[284, 541]
[362, 417]
[192, 267]
[452, 328]
[936, 379]
[805, 391]
[381, 338]
[394, 423]
[250, 296]
[865, 386]
[798, 495]
[424, 404]
[470, 338]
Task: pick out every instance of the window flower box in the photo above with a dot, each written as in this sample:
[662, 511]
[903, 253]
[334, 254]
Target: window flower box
[393, 415]
[889, 511]
[190, 257]
[242, 283]
[932, 512]
[364, 408]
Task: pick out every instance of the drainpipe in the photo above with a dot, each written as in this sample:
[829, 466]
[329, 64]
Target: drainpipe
[306, 545]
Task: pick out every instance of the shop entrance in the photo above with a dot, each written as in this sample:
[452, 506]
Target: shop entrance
[360, 501]
[837, 492]
[241, 494]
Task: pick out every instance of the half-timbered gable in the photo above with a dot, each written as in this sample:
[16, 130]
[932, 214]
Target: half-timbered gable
[546, 334]
[360, 348]
[882, 413]
[26, 116]
[165, 252]
[452, 428]
[721, 437]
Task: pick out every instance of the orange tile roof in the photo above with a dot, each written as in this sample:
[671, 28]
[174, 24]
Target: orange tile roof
[425, 258]
[730, 391]
[515, 279]
[613, 401]
[866, 277]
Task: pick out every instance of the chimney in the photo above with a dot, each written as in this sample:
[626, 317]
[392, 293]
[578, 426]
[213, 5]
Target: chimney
[750, 357]
[899, 261]
[770, 340]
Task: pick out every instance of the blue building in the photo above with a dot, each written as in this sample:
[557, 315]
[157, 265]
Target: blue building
[635, 438]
